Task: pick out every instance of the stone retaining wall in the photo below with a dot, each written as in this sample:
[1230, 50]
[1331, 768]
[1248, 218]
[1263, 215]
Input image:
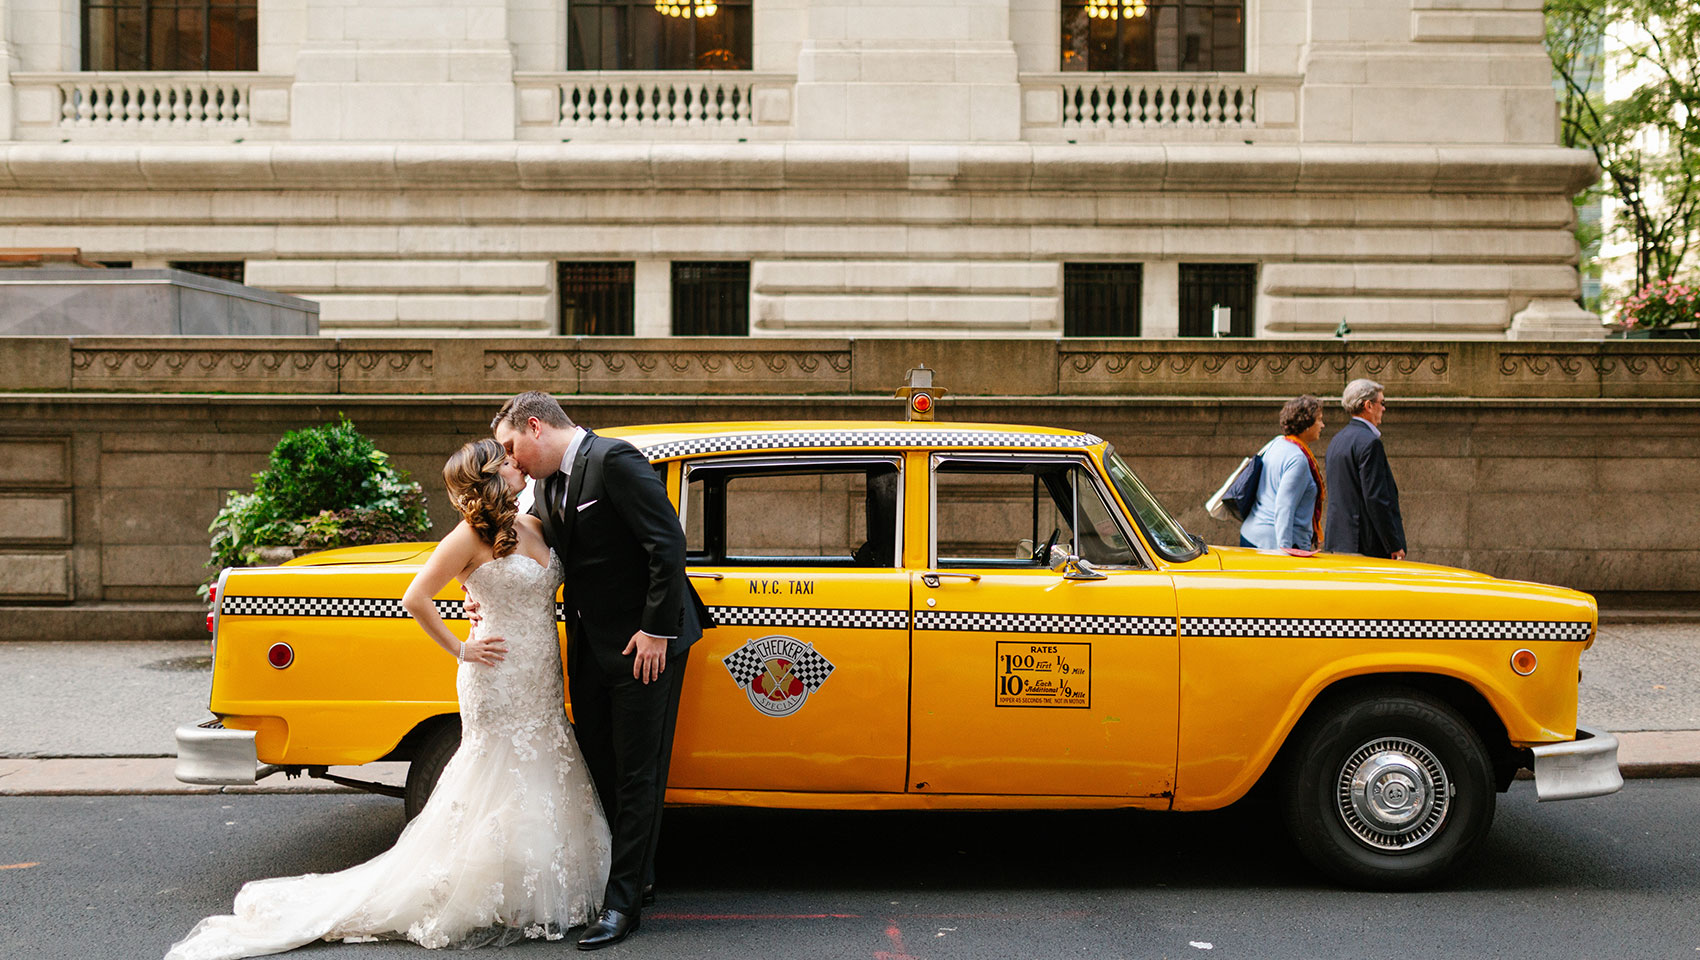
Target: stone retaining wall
[1566, 463]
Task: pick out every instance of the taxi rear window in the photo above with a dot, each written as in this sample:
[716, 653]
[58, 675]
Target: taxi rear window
[824, 514]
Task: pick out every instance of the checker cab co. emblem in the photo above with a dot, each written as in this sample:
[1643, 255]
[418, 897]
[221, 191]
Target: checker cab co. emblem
[777, 673]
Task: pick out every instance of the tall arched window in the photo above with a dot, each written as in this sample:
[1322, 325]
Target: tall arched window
[1160, 35]
[641, 35]
[170, 35]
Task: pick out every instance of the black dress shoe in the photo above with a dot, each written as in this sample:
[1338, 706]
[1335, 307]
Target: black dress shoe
[648, 895]
[610, 928]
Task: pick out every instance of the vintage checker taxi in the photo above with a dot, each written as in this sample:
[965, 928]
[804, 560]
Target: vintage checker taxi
[959, 616]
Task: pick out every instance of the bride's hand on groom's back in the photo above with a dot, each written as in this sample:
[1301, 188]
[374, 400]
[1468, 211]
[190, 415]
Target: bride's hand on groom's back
[472, 615]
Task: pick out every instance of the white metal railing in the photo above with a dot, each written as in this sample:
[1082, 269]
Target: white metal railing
[685, 103]
[1159, 103]
[148, 105]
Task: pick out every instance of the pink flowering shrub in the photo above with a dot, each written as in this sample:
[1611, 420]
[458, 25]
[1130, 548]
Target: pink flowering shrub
[1662, 303]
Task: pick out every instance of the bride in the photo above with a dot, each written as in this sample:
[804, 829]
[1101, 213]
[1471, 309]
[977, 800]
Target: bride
[512, 843]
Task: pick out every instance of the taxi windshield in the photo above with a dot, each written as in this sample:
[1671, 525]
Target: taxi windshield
[1166, 534]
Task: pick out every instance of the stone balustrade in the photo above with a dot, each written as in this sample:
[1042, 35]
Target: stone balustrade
[611, 105]
[148, 105]
[1085, 107]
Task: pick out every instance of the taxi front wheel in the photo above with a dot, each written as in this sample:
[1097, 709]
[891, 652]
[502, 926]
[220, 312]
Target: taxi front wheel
[1390, 789]
[427, 766]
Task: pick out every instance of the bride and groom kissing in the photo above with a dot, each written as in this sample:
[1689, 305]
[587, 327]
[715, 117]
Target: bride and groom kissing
[531, 830]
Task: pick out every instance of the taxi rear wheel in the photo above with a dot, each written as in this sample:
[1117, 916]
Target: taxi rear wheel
[1390, 789]
[427, 766]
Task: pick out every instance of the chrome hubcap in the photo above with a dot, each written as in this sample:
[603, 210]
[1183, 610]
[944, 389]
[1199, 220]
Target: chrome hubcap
[1393, 794]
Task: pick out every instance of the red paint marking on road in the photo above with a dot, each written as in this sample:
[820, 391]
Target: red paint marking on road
[18, 866]
[896, 952]
[755, 916]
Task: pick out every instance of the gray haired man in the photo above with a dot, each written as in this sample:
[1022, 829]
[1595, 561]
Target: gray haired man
[1363, 500]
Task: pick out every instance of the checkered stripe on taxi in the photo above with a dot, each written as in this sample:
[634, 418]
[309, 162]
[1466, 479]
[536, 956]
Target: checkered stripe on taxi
[819, 439]
[811, 669]
[810, 617]
[1045, 623]
[371, 607]
[1519, 630]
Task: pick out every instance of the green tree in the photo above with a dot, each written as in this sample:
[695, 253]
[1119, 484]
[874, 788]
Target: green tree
[1648, 140]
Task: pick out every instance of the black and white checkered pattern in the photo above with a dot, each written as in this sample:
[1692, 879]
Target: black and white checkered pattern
[371, 607]
[830, 439]
[810, 668]
[810, 617]
[1045, 623]
[1526, 631]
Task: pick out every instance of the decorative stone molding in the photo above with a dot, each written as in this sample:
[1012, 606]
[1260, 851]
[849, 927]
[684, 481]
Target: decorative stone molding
[671, 371]
[1023, 367]
[1069, 168]
[216, 366]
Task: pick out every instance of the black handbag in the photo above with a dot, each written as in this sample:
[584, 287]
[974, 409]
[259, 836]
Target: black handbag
[1235, 499]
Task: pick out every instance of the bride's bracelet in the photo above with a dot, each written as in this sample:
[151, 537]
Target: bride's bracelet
[460, 652]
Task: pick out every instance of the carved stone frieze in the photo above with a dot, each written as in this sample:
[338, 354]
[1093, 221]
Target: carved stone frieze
[1200, 371]
[280, 370]
[672, 371]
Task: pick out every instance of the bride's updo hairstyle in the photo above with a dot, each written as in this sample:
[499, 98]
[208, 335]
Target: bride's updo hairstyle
[477, 490]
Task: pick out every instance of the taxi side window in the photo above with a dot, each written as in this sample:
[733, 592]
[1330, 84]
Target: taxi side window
[1001, 513]
[819, 515]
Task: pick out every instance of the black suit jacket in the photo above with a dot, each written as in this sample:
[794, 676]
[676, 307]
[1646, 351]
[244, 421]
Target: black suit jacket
[623, 554]
[1363, 500]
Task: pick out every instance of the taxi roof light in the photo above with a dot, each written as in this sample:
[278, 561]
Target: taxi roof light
[918, 394]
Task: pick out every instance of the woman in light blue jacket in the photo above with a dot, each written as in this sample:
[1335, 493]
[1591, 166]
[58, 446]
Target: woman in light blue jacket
[1291, 492]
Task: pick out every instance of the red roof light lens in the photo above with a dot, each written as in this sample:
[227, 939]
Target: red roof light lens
[921, 402]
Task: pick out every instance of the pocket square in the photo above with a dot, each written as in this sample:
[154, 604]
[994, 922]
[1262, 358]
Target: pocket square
[587, 503]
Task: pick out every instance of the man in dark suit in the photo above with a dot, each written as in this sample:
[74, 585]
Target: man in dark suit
[1363, 500]
[632, 617]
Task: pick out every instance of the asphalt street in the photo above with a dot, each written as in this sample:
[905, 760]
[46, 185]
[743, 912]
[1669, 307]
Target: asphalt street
[124, 699]
[123, 877]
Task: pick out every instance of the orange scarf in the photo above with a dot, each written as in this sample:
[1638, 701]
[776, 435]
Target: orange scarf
[1321, 491]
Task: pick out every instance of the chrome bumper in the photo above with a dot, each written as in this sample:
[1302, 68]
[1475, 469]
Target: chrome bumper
[207, 753]
[1584, 767]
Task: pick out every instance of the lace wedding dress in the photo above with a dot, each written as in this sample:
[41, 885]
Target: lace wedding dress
[512, 844]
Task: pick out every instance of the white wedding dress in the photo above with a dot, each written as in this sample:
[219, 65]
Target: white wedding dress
[513, 843]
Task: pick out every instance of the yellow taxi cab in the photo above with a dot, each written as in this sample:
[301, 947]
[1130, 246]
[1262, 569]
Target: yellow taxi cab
[920, 615]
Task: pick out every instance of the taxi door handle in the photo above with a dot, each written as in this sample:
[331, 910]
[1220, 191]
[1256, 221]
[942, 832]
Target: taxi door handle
[706, 576]
[931, 577]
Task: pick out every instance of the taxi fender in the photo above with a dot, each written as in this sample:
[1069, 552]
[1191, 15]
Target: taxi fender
[1521, 726]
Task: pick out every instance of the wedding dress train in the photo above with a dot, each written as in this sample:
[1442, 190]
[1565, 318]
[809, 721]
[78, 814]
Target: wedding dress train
[512, 843]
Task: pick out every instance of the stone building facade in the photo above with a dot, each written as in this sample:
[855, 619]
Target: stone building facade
[934, 168]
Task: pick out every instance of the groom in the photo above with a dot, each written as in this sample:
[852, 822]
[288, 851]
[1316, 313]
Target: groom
[632, 617]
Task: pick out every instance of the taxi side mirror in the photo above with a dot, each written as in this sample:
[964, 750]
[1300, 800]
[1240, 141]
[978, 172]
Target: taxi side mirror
[1074, 568]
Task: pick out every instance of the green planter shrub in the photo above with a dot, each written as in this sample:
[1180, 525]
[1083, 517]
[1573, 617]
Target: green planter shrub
[323, 487]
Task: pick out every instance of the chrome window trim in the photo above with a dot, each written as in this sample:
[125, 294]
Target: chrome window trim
[1078, 459]
[797, 460]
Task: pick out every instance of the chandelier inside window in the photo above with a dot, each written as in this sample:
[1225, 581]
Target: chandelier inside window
[1115, 9]
[687, 10]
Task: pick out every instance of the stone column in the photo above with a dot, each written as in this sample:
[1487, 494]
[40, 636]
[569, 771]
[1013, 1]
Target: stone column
[7, 62]
[393, 70]
[928, 70]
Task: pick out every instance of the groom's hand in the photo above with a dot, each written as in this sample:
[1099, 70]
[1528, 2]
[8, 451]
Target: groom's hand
[651, 656]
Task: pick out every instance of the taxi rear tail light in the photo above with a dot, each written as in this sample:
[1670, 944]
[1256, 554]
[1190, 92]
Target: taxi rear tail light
[280, 655]
[1524, 662]
[212, 598]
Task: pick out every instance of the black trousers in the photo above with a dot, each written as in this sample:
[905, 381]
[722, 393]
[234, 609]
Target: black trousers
[625, 731]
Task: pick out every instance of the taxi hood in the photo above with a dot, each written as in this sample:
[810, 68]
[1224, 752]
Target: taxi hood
[371, 553]
[1252, 560]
